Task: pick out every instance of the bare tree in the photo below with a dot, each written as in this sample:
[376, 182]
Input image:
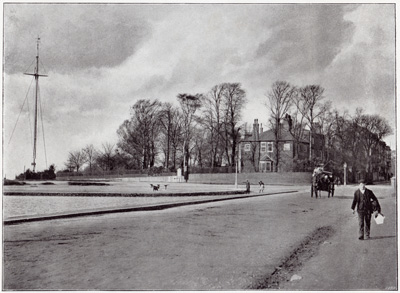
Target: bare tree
[326, 124]
[169, 118]
[200, 146]
[336, 131]
[189, 105]
[357, 138]
[351, 140]
[280, 99]
[138, 136]
[311, 107]
[105, 158]
[212, 120]
[373, 129]
[129, 143]
[176, 137]
[233, 102]
[90, 155]
[76, 159]
[297, 123]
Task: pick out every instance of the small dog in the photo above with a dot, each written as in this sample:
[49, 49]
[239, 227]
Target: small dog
[155, 187]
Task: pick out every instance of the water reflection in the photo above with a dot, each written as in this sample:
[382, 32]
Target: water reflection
[14, 206]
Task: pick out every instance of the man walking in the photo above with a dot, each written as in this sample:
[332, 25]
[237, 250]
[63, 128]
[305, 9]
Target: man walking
[366, 203]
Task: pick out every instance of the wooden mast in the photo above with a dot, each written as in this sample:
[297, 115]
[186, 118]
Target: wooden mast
[36, 75]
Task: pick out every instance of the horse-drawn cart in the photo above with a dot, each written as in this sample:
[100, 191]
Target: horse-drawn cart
[322, 180]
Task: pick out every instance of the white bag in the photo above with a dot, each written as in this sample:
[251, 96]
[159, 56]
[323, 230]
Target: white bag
[379, 218]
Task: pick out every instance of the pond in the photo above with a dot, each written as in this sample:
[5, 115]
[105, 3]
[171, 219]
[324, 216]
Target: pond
[17, 206]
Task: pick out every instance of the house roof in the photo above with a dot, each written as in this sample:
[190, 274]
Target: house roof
[270, 136]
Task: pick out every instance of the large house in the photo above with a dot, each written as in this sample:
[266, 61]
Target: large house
[258, 149]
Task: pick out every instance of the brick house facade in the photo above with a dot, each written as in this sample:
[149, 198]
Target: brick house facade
[258, 149]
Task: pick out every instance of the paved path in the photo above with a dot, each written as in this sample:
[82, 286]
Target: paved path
[213, 246]
[346, 263]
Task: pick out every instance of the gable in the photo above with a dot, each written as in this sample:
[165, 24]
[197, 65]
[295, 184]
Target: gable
[270, 136]
[266, 157]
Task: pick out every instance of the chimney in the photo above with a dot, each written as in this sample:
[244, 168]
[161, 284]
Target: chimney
[261, 129]
[288, 122]
[256, 130]
[317, 128]
[284, 125]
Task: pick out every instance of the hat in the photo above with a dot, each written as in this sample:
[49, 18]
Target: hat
[361, 181]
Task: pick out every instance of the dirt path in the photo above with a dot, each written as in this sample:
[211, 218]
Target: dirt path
[226, 245]
[346, 263]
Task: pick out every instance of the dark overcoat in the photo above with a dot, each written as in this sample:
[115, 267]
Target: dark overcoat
[369, 199]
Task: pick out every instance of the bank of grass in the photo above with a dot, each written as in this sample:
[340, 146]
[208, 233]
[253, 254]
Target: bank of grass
[296, 259]
[13, 182]
[8, 182]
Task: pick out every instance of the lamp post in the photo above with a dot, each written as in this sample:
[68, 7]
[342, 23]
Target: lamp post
[237, 168]
[236, 176]
[345, 173]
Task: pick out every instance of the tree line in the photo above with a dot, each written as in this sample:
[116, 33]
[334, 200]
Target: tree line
[354, 139]
[205, 130]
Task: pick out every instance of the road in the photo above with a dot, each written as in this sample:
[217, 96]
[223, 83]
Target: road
[236, 244]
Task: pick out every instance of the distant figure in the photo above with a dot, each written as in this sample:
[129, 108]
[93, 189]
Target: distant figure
[155, 187]
[247, 186]
[261, 186]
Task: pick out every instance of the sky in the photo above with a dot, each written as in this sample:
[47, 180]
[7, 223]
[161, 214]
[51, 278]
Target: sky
[102, 58]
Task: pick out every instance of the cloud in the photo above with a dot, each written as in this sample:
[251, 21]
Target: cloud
[73, 36]
[102, 58]
[363, 73]
[307, 39]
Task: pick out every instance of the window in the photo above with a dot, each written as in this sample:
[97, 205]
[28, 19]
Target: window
[286, 146]
[247, 147]
[263, 147]
[265, 166]
[270, 148]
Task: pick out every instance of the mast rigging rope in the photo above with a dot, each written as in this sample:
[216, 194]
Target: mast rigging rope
[30, 65]
[41, 118]
[26, 97]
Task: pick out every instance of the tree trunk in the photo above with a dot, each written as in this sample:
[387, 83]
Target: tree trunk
[233, 155]
[277, 155]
